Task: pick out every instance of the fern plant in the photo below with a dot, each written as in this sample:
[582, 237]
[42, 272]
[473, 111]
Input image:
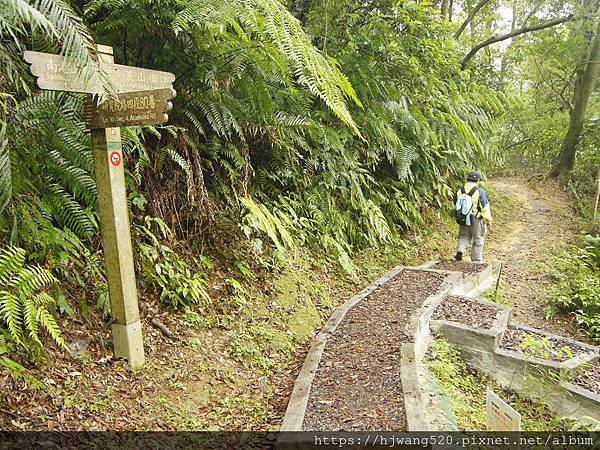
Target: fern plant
[24, 300]
[49, 157]
[179, 284]
[258, 218]
[270, 21]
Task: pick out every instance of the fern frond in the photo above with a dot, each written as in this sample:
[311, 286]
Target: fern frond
[272, 22]
[12, 260]
[46, 320]
[11, 312]
[23, 299]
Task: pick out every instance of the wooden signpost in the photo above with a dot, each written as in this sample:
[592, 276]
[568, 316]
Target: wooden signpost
[143, 99]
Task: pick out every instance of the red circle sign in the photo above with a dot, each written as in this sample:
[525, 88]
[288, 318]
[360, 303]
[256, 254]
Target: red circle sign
[115, 159]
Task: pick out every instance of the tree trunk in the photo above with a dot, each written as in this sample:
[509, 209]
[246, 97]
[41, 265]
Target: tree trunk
[583, 90]
[444, 8]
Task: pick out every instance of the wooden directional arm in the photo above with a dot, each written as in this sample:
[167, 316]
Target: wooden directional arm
[132, 108]
[59, 73]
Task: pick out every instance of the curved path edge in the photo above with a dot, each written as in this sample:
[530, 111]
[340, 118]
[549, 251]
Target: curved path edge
[294, 415]
[411, 353]
[421, 410]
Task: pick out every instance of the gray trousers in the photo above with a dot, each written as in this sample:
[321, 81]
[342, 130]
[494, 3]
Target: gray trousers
[475, 232]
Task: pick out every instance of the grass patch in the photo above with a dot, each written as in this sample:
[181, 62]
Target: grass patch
[274, 322]
[466, 390]
[497, 295]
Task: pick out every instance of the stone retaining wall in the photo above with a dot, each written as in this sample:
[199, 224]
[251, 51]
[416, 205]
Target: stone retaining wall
[426, 408]
[533, 377]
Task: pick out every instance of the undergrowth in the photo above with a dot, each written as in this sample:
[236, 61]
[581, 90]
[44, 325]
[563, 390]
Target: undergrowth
[177, 280]
[466, 389]
[497, 294]
[24, 299]
[576, 288]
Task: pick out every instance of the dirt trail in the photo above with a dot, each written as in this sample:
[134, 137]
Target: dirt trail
[542, 223]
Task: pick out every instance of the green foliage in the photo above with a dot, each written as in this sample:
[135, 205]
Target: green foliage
[259, 218]
[541, 347]
[50, 180]
[466, 391]
[16, 370]
[180, 284]
[76, 264]
[456, 382]
[585, 423]
[269, 22]
[497, 295]
[576, 288]
[48, 193]
[24, 300]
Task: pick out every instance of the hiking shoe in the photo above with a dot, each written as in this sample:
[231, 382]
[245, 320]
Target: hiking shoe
[458, 256]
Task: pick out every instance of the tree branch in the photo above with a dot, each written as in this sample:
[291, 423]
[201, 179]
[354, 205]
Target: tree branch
[494, 39]
[470, 17]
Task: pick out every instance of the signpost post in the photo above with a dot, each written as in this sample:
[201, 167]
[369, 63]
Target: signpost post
[134, 105]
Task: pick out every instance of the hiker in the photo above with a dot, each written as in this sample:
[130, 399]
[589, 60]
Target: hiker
[473, 214]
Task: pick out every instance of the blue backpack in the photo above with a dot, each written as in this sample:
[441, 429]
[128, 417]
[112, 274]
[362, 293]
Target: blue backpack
[464, 207]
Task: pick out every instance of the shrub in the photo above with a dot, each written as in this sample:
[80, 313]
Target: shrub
[179, 284]
[577, 288]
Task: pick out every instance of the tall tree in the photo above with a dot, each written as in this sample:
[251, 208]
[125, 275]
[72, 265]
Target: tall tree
[584, 86]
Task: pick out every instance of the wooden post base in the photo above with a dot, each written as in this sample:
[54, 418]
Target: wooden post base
[127, 343]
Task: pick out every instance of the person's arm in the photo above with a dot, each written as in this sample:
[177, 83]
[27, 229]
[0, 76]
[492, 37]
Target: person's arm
[484, 207]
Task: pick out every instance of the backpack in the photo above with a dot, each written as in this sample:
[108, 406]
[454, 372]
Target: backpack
[463, 207]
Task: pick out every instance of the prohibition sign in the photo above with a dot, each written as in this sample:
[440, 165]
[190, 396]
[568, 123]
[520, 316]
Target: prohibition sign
[115, 159]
